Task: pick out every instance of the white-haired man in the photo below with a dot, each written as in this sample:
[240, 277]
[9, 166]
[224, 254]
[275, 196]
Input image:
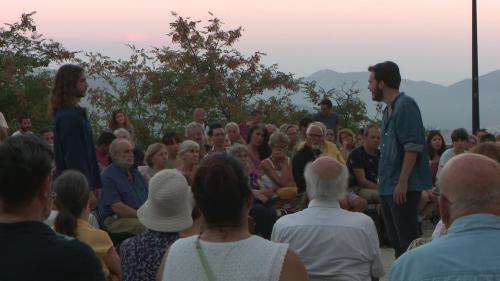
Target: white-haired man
[331, 242]
[307, 153]
[124, 190]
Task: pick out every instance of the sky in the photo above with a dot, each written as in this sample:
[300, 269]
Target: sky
[429, 39]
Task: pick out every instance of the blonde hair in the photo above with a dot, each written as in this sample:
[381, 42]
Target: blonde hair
[277, 138]
[151, 152]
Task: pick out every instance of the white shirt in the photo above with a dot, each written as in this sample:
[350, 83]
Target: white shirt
[18, 132]
[253, 258]
[445, 157]
[3, 122]
[332, 242]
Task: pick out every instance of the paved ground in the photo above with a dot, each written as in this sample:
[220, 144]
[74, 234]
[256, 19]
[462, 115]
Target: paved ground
[388, 253]
[387, 259]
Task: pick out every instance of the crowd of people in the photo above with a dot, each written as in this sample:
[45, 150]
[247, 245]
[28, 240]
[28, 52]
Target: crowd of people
[249, 200]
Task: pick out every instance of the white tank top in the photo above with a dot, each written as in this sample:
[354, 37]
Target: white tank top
[251, 259]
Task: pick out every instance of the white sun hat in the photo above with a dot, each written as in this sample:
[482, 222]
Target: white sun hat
[168, 207]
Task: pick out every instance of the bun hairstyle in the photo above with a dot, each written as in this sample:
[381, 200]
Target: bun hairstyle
[72, 196]
[221, 190]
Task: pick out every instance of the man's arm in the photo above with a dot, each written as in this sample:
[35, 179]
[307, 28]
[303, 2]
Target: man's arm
[409, 160]
[362, 181]
[123, 211]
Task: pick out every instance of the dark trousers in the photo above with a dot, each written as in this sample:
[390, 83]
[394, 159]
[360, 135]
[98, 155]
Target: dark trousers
[264, 217]
[401, 221]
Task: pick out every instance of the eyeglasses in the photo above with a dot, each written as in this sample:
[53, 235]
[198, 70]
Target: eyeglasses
[315, 135]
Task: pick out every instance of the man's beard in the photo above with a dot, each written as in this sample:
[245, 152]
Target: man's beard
[378, 96]
[123, 165]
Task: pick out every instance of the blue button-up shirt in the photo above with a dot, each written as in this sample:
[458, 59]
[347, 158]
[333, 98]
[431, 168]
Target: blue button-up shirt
[403, 131]
[470, 251]
[116, 187]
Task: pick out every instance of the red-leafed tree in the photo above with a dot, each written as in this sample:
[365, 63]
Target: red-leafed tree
[160, 88]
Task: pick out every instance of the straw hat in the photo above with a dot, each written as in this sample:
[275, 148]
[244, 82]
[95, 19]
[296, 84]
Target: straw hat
[168, 208]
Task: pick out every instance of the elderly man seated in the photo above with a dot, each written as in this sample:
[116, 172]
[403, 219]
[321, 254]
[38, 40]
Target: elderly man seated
[333, 243]
[123, 191]
[470, 208]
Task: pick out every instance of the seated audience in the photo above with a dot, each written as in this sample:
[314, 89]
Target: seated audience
[72, 202]
[262, 212]
[217, 137]
[303, 125]
[102, 149]
[188, 156]
[363, 166]
[196, 133]
[333, 244]
[271, 128]
[156, 159]
[233, 133]
[171, 140]
[292, 132]
[199, 118]
[138, 153]
[258, 148]
[31, 250]
[48, 136]
[436, 146]
[346, 141]
[327, 148]
[120, 121]
[469, 206]
[276, 169]
[254, 119]
[226, 250]
[165, 214]
[123, 191]
[310, 150]
[24, 123]
[487, 138]
[460, 138]
[330, 136]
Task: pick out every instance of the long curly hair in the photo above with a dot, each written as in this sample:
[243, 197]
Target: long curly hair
[64, 90]
[113, 124]
[430, 149]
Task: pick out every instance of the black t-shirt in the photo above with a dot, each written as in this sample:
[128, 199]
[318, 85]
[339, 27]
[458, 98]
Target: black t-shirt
[299, 162]
[360, 159]
[33, 251]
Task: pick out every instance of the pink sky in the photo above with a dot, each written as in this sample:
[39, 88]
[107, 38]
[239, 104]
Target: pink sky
[430, 39]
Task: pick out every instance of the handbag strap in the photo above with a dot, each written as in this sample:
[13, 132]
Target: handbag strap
[204, 261]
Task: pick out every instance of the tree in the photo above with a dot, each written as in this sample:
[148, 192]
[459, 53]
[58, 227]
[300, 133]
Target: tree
[347, 103]
[24, 80]
[160, 88]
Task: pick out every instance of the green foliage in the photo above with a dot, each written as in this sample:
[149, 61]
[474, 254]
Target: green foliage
[160, 88]
[24, 86]
[347, 103]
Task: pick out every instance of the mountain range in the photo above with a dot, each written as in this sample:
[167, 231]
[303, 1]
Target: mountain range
[442, 107]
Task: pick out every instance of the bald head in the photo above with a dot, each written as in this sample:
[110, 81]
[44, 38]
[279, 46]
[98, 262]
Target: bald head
[326, 179]
[471, 184]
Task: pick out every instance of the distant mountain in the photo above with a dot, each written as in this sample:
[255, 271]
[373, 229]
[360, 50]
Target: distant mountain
[444, 107]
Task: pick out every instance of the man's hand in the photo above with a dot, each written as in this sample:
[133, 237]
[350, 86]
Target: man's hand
[400, 192]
